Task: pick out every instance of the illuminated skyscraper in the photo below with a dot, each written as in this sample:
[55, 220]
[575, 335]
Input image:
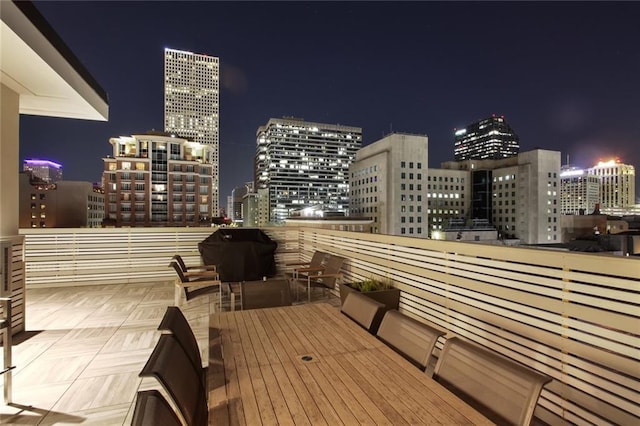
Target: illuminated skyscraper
[579, 191]
[191, 104]
[305, 164]
[617, 184]
[488, 139]
[44, 171]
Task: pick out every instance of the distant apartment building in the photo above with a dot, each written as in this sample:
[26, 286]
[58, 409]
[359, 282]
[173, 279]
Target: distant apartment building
[617, 184]
[304, 164]
[63, 204]
[255, 207]
[579, 191]
[489, 138]
[388, 183]
[44, 171]
[157, 179]
[519, 195]
[192, 106]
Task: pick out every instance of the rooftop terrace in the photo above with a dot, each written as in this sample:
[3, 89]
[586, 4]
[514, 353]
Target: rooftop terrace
[573, 316]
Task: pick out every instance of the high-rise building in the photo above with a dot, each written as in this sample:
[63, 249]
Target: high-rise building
[157, 179]
[42, 171]
[388, 181]
[305, 164]
[617, 184]
[192, 104]
[490, 138]
[523, 198]
[579, 191]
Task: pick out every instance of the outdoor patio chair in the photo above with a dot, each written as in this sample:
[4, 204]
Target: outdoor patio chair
[195, 270]
[152, 410]
[175, 322]
[413, 339]
[192, 287]
[502, 389]
[361, 309]
[314, 266]
[171, 366]
[327, 279]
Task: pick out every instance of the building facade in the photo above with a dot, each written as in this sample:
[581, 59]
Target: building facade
[524, 200]
[236, 209]
[43, 171]
[490, 138]
[388, 183]
[255, 207]
[158, 180]
[304, 164]
[579, 191]
[617, 184]
[63, 204]
[192, 105]
[448, 198]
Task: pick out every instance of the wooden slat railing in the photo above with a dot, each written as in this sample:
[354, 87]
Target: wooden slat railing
[573, 316]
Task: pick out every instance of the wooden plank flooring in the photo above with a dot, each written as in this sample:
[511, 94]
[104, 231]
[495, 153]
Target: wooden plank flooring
[79, 359]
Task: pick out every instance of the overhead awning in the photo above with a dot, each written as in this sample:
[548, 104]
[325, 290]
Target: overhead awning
[37, 65]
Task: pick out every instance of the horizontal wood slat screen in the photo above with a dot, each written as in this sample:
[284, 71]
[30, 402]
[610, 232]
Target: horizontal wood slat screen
[573, 316]
[115, 255]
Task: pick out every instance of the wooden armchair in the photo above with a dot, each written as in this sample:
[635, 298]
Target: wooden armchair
[502, 389]
[195, 286]
[314, 266]
[195, 270]
[326, 279]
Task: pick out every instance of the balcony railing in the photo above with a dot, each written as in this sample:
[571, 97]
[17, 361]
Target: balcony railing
[573, 316]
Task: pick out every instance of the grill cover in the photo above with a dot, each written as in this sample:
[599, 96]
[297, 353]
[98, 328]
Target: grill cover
[241, 254]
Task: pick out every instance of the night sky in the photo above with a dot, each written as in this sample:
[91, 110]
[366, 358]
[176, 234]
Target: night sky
[566, 76]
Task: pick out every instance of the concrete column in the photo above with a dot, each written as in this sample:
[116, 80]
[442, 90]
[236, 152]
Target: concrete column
[9, 159]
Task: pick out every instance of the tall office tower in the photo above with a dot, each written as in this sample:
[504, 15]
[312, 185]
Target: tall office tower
[305, 164]
[523, 201]
[491, 138]
[157, 179]
[191, 105]
[579, 191]
[617, 184]
[387, 183]
[42, 171]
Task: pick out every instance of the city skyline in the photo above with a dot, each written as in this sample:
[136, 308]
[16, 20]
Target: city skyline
[561, 74]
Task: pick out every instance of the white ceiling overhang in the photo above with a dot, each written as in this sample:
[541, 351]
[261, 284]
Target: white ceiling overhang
[48, 82]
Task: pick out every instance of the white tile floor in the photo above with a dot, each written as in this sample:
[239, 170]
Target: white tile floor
[78, 361]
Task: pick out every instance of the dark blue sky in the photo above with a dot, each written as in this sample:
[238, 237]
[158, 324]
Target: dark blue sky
[566, 76]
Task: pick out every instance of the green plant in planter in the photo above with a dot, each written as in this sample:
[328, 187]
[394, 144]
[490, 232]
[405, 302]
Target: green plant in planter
[371, 284]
